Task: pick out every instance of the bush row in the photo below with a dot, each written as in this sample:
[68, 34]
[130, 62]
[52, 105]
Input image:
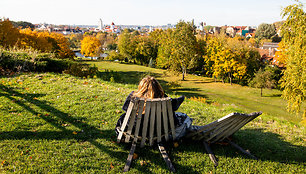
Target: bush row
[12, 62]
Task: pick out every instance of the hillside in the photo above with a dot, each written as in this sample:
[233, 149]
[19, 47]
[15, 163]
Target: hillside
[53, 123]
[242, 97]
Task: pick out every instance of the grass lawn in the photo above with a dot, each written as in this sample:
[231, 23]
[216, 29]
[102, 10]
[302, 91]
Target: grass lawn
[53, 123]
[244, 98]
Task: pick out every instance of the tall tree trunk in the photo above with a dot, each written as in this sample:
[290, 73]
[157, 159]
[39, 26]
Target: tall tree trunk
[184, 71]
[230, 77]
[260, 92]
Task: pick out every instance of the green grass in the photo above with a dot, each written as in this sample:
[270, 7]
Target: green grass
[242, 97]
[53, 123]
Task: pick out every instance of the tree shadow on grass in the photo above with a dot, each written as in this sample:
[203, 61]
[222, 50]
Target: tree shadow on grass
[134, 77]
[56, 118]
[130, 77]
[272, 95]
[266, 146]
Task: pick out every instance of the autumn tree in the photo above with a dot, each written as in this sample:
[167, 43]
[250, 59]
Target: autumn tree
[90, 46]
[230, 58]
[8, 34]
[61, 46]
[75, 40]
[226, 64]
[294, 36]
[280, 54]
[40, 41]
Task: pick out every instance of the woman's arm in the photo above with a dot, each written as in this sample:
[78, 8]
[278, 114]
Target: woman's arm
[176, 102]
[127, 101]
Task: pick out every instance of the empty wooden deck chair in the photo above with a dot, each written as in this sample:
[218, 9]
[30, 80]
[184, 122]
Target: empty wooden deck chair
[156, 118]
[220, 130]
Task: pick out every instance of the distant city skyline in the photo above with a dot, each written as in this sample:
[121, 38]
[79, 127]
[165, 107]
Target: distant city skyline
[144, 12]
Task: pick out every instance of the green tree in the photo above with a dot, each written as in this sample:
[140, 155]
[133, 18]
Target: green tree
[294, 36]
[265, 31]
[263, 79]
[145, 50]
[23, 24]
[127, 44]
[179, 50]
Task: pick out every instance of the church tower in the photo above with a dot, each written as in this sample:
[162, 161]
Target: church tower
[100, 24]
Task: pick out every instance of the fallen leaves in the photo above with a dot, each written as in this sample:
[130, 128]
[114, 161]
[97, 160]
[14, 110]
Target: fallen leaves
[74, 133]
[111, 166]
[135, 156]
[4, 163]
[144, 163]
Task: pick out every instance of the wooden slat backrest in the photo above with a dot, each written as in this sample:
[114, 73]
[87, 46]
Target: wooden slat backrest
[139, 116]
[223, 127]
[165, 119]
[152, 122]
[145, 122]
[155, 120]
[131, 123]
[158, 121]
[171, 119]
[129, 111]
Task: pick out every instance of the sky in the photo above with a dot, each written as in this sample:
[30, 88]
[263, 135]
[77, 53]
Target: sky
[144, 12]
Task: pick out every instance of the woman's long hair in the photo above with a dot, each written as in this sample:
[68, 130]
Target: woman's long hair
[149, 88]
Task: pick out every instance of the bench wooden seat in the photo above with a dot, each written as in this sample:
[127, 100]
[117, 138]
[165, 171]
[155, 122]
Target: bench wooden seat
[156, 118]
[220, 130]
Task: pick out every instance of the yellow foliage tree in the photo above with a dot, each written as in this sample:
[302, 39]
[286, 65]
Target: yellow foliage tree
[61, 46]
[280, 54]
[90, 46]
[8, 34]
[36, 40]
[294, 36]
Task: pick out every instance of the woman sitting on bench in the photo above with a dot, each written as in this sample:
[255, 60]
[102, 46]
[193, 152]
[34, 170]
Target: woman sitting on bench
[150, 88]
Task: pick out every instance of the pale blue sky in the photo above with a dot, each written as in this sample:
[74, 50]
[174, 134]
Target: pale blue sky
[144, 12]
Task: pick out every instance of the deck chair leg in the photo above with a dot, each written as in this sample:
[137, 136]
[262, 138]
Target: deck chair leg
[166, 157]
[211, 154]
[130, 158]
[241, 149]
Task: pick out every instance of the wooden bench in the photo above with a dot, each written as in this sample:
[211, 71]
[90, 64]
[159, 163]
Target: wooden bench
[156, 118]
[221, 130]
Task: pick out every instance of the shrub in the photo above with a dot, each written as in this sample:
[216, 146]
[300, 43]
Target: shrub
[113, 55]
[82, 70]
[173, 84]
[34, 62]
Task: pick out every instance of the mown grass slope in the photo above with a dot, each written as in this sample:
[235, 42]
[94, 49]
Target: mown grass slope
[53, 123]
[243, 97]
